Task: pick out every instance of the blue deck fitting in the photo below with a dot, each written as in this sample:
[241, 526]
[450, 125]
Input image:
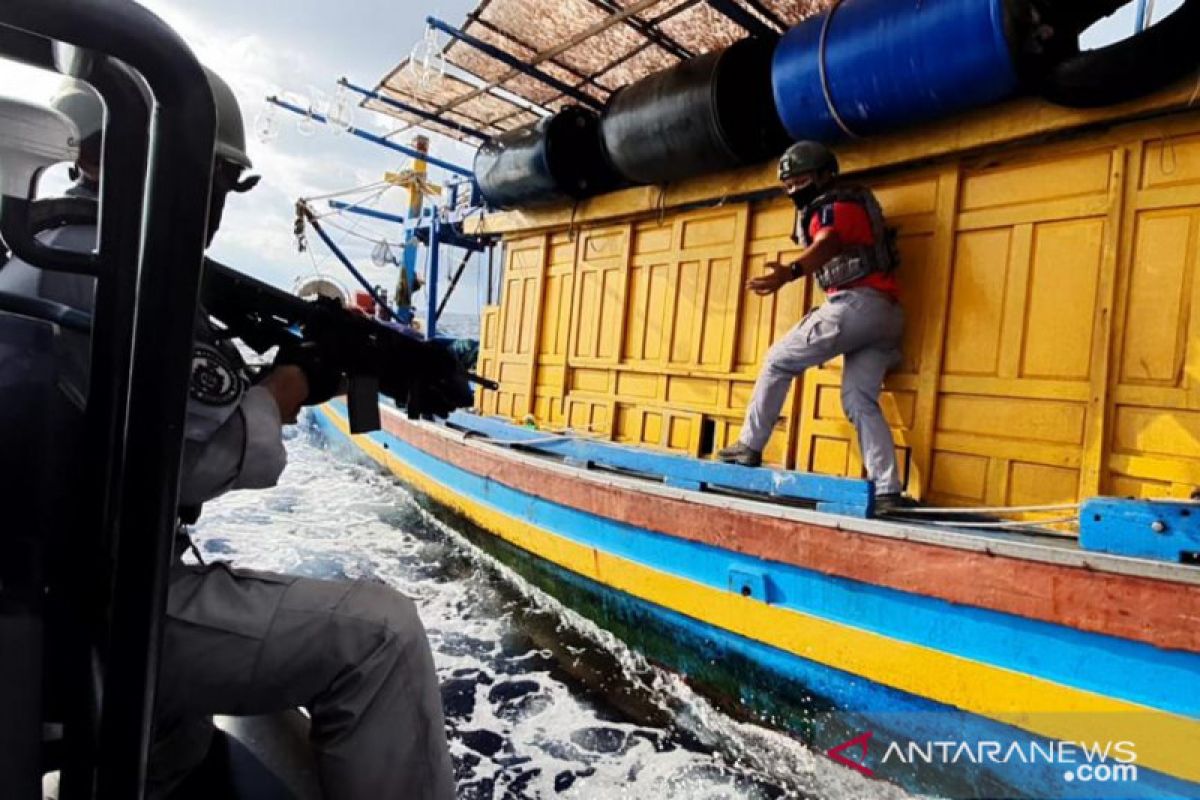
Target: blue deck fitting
[847, 496]
[1162, 530]
[750, 583]
[367, 212]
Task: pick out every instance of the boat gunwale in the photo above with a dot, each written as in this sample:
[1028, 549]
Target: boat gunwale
[1060, 555]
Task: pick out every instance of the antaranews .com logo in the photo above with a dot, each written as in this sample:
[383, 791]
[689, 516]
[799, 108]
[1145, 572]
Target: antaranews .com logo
[1083, 762]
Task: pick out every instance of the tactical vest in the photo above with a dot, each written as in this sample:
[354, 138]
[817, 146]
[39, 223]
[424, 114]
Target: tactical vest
[856, 261]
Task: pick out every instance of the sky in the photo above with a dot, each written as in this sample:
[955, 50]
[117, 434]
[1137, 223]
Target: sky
[264, 47]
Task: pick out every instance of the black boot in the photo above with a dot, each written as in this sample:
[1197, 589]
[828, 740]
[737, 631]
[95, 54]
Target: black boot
[740, 454]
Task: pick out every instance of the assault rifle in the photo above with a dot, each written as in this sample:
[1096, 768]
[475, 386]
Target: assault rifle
[422, 376]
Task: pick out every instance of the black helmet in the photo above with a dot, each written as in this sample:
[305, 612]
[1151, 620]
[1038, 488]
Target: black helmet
[805, 157]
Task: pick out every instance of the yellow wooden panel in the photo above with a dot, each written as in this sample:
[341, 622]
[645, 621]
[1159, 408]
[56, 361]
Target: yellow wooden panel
[652, 239]
[775, 452]
[647, 305]
[693, 391]
[754, 330]
[916, 289]
[514, 295]
[911, 197]
[1062, 300]
[634, 384]
[829, 403]
[899, 408]
[1159, 431]
[562, 252]
[739, 395]
[579, 416]
[685, 329]
[717, 319]
[595, 381]
[550, 378]
[587, 313]
[830, 456]
[709, 231]
[1032, 420]
[1171, 162]
[514, 374]
[981, 266]
[627, 423]
[959, 476]
[1159, 290]
[525, 255]
[490, 319]
[529, 310]
[1036, 181]
[773, 221]
[605, 244]
[1038, 484]
[612, 310]
[679, 436]
[504, 404]
[556, 315]
[652, 428]
[1124, 486]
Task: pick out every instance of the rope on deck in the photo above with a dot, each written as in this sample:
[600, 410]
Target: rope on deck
[990, 510]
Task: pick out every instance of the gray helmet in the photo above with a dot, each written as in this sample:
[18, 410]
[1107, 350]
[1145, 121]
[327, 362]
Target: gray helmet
[80, 103]
[805, 157]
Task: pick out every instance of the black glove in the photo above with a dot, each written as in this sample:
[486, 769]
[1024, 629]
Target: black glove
[435, 387]
[325, 380]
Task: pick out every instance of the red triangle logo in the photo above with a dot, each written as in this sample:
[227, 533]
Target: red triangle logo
[861, 742]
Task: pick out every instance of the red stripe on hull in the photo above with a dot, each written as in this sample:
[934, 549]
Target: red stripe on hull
[1130, 607]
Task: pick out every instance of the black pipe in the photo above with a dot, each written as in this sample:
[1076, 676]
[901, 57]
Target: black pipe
[555, 159]
[712, 113]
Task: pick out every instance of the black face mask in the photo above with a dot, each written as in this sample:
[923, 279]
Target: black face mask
[803, 197]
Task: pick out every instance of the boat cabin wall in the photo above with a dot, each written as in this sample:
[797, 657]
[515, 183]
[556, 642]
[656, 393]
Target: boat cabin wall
[1053, 346]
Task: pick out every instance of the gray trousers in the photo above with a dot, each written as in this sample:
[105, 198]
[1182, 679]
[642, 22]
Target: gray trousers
[353, 653]
[866, 327]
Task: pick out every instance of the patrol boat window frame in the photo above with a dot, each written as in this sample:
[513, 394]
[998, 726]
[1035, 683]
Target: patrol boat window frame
[150, 342]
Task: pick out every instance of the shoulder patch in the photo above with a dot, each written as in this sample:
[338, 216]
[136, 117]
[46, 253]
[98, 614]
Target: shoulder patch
[826, 215]
[215, 381]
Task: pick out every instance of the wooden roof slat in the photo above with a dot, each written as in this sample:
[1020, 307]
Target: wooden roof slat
[548, 33]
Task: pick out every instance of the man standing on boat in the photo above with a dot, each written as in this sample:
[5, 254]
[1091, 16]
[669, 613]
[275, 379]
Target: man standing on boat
[354, 653]
[850, 252]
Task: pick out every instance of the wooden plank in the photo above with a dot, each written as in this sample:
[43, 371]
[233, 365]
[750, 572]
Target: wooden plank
[1012, 326]
[1104, 352]
[1049, 211]
[841, 495]
[937, 307]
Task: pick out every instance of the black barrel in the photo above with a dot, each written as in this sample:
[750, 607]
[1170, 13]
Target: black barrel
[556, 159]
[706, 114]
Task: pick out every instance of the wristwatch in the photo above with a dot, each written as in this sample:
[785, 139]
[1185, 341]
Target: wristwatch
[796, 270]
